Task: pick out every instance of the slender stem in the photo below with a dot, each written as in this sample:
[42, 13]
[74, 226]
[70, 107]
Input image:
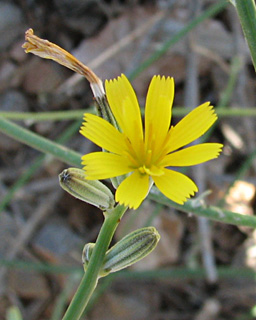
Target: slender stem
[46, 116]
[226, 94]
[39, 143]
[186, 273]
[178, 111]
[228, 91]
[90, 278]
[223, 107]
[213, 213]
[34, 166]
[170, 273]
[41, 267]
[246, 11]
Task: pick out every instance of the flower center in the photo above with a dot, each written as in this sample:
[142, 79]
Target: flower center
[151, 171]
[142, 159]
[148, 166]
[144, 170]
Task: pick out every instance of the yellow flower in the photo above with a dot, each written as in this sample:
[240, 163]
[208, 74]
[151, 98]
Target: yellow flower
[147, 153]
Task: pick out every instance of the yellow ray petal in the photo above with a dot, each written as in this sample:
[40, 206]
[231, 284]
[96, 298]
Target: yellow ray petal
[131, 130]
[120, 90]
[191, 127]
[192, 155]
[133, 190]
[175, 186]
[103, 134]
[158, 111]
[104, 165]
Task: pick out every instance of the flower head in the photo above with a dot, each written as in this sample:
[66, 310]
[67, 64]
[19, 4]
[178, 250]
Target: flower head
[146, 152]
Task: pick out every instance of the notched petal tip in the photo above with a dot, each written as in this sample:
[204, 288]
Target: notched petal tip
[81, 131]
[115, 80]
[207, 106]
[162, 78]
[219, 150]
[216, 149]
[128, 204]
[188, 196]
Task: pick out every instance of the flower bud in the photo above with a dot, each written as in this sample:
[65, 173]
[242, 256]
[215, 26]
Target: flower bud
[132, 248]
[73, 181]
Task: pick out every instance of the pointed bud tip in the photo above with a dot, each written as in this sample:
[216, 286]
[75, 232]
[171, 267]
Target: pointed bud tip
[94, 192]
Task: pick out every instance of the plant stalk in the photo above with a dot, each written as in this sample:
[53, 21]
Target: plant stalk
[246, 11]
[90, 278]
[38, 142]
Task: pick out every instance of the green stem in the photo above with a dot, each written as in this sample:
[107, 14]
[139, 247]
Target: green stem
[175, 273]
[90, 278]
[33, 167]
[213, 213]
[228, 92]
[39, 143]
[246, 11]
[46, 116]
[179, 111]
[40, 267]
[226, 95]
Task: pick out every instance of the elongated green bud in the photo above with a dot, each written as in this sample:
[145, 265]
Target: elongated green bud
[132, 248]
[94, 192]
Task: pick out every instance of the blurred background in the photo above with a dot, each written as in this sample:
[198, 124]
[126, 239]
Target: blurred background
[201, 269]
